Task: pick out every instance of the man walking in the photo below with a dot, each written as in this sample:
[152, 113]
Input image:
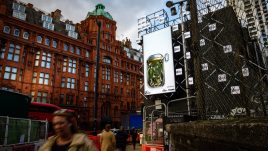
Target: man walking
[121, 139]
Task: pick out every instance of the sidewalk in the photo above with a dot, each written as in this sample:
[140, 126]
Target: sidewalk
[130, 147]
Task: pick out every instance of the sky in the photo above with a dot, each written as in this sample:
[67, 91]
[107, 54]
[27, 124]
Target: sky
[125, 12]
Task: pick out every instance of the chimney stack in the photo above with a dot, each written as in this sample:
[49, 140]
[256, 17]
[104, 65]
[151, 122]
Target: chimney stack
[56, 15]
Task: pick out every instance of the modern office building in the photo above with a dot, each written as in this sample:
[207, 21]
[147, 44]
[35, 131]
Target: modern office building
[54, 61]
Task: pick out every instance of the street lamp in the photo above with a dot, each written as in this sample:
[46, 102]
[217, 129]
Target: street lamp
[96, 94]
[170, 5]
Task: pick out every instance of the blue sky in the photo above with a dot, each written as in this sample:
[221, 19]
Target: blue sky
[125, 12]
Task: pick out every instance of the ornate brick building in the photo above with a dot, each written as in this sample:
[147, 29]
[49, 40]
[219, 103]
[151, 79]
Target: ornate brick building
[54, 61]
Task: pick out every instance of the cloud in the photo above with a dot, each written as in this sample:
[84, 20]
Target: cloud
[125, 12]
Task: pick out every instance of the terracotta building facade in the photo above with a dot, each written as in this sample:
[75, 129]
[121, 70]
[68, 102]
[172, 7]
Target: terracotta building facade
[54, 61]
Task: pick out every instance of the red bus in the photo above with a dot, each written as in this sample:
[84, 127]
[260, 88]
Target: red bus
[42, 111]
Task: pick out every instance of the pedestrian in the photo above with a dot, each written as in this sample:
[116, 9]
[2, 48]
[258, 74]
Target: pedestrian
[67, 137]
[134, 135]
[107, 139]
[121, 139]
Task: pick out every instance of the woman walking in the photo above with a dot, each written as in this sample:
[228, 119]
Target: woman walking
[66, 136]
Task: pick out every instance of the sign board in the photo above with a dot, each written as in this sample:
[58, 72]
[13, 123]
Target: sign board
[235, 90]
[158, 62]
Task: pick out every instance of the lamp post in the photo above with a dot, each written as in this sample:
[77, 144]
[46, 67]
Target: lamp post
[170, 4]
[96, 94]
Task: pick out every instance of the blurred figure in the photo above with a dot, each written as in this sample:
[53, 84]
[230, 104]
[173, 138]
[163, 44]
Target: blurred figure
[66, 136]
[107, 139]
[134, 135]
[121, 139]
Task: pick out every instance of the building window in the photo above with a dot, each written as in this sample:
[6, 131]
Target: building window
[69, 99]
[86, 86]
[37, 57]
[65, 47]
[42, 97]
[132, 81]
[34, 77]
[95, 71]
[116, 76]
[116, 63]
[103, 73]
[107, 60]
[39, 39]
[21, 74]
[109, 48]
[61, 98]
[18, 11]
[10, 73]
[72, 49]
[44, 78]
[71, 83]
[77, 51]
[87, 53]
[106, 73]
[16, 32]
[54, 43]
[72, 66]
[87, 70]
[26, 35]
[2, 51]
[46, 60]
[14, 52]
[63, 82]
[116, 90]
[105, 88]
[6, 29]
[127, 78]
[108, 26]
[121, 77]
[47, 41]
[0, 71]
[85, 103]
[48, 25]
[64, 65]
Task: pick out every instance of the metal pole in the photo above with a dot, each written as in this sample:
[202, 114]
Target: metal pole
[96, 80]
[185, 60]
[29, 130]
[6, 131]
[197, 61]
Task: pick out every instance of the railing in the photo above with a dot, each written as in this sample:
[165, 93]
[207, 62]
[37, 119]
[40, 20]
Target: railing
[19, 131]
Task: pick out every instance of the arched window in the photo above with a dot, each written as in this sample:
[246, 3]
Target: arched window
[6, 29]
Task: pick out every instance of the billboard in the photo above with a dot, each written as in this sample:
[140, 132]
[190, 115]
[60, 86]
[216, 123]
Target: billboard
[158, 62]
